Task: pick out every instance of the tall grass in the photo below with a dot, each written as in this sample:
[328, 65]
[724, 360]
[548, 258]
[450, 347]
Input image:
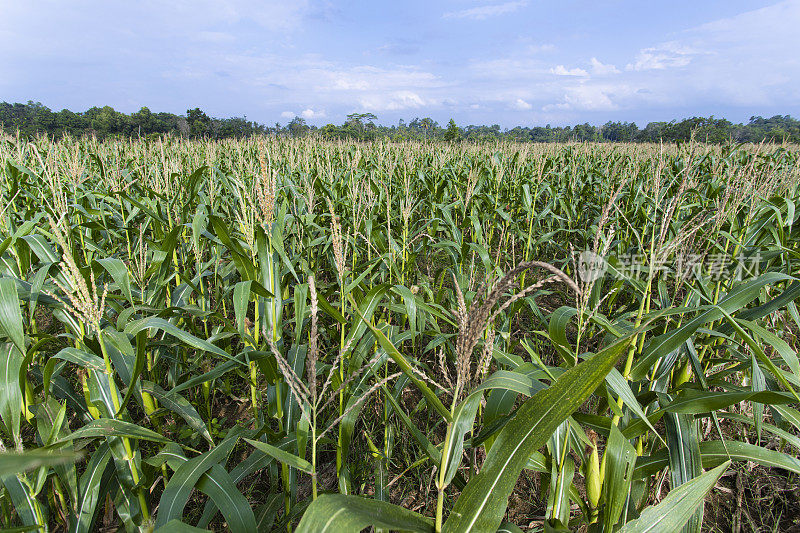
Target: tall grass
[276, 334]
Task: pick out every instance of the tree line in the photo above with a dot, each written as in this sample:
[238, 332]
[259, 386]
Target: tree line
[35, 118]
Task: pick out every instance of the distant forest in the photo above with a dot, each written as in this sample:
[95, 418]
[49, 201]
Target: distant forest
[34, 118]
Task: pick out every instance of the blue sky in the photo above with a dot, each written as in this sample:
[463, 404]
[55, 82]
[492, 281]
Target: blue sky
[515, 62]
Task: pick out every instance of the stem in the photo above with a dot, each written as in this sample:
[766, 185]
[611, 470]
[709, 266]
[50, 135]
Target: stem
[440, 484]
[439, 510]
[253, 368]
[314, 456]
[125, 440]
[339, 457]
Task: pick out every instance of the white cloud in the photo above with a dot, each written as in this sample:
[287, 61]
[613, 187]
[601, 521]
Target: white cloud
[747, 61]
[374, 89]
[602, 69]
[483, 12]
[503, 69]
[522, 105]
[761, 26]
[588, 97]
[233, 57]
[320, 85]
[395, 101]
[671, 54]
[310, 114]
[364, 78]
[561, 70]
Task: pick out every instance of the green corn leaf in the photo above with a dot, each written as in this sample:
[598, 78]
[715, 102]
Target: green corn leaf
[557, 329]
[739, 297]
[176, 493]
[365, 309]
[337, 512]
[678, 507]
[692, 401]
[176, 526]
[685, 461]
[241, 299]
[464, 414]
[483, 502]
[717, 452]
[282, 456]
[10, 314]
[254, 462]
[620, 459]
[561, 494]
[89, 487]
[25, 503]
[463, 420]
[138, 367]
[155, 323]
[119, 273]
[759, 354]
[514, 381]
[794, 440]
[620, 385]
[220, 488]
[108, 427]
[180, 406]
[16, 463]
[432, 451]
[788, 413]
[50, 424]
[10, 393]
[243, 262]
[404, 365]
[786, 352]
[221, 369]
[265, 515]
[508, 528]
[81, 358]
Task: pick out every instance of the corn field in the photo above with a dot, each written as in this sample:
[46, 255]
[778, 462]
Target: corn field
[299, 335]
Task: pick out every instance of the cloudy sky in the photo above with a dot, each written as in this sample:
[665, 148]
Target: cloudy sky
[515, 62]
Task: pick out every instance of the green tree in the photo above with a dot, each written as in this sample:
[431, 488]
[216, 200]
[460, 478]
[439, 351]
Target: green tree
[619, 131]
[199, 122]
[360, 125]
[453, 133]
[297, 127]
[143, 121]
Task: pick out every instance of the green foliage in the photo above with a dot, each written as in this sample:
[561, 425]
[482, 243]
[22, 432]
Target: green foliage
[452, 133]
[278, 333]
[33, 117]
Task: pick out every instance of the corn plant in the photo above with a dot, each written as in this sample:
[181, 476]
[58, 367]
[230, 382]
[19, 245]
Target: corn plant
[273, 334]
